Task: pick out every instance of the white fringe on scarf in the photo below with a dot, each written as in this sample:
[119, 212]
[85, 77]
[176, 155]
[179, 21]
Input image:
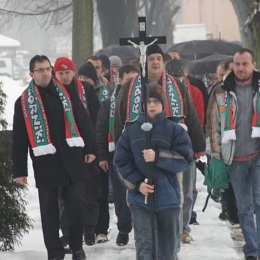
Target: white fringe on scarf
[75, 141]
[44, 149]
[111, 146]
[184, 126]
[228, 135]
[255, 132]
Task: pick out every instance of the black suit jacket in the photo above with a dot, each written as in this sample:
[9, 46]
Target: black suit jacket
[67, 164]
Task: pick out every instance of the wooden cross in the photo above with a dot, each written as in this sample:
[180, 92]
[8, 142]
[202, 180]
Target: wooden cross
[142, 42]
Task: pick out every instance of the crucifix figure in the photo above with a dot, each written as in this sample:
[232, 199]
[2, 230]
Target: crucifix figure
[142, 47]
[142, 42]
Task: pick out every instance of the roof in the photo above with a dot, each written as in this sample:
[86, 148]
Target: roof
[6, 42]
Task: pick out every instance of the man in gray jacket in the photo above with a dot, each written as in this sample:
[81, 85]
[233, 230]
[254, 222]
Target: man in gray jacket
[233, 131]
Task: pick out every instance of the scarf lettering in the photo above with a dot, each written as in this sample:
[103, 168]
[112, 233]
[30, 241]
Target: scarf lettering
[37, 124]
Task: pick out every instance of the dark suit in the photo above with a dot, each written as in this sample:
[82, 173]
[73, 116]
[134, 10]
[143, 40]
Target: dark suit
[65, 168]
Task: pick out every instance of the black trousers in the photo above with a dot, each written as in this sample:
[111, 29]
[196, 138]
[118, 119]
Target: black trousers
[92, 191]
[103, 218]
[74, 202]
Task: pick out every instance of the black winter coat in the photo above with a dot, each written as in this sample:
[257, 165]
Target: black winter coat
[67, 164]
[92, 100]
[102, 128]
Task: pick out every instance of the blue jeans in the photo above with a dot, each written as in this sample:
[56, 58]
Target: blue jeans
[167, 232]
[245, 179]
[124, 221]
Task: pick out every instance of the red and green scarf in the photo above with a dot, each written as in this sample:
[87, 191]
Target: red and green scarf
[82, 94]
[37, 123]
[186, 82]
[173, 103]
[207, 81]
[229, 127]
[113, 78]
[102, 91]
[111, 144]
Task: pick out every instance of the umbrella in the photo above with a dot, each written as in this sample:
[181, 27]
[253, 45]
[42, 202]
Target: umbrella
[207, 64]
[216, 177]
[124, 52]
[201, 48]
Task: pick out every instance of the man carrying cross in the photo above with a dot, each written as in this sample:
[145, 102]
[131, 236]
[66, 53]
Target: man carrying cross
[177, 102]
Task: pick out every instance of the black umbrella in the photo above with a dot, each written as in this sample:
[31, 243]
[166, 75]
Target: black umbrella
[124, 52]
[200, 48]
[207, 64]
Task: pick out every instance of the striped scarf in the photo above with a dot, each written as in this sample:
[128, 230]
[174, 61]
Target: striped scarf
[229, 128]
[82, 94]
[111, 144]
[174, 105]
[37, 123]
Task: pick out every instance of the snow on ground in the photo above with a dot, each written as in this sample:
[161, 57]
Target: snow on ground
[212, 238]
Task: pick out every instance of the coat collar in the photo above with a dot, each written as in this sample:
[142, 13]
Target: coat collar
[229, 83]
[158, 118]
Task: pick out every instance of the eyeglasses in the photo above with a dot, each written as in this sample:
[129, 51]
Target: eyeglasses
[43, 70]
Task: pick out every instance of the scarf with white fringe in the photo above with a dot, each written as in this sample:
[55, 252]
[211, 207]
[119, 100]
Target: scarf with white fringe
[229, 128]
[37, 123]
[174, 104]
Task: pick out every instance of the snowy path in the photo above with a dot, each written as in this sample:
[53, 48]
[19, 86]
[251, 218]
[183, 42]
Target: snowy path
[212, 238]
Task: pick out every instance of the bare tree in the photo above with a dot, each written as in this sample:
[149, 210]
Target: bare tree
[248, 13]
[119, 18]
[82, 31]
[78, 14]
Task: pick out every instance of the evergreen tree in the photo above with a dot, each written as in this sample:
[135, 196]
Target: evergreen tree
[14, 221]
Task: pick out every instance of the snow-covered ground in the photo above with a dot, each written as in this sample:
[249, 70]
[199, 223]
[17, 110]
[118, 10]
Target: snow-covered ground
[212, 238]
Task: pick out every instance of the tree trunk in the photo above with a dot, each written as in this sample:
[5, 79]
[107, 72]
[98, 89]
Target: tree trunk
[251, 33]
[124, 24]
[112, 16]
[240, 9]
[82, 31]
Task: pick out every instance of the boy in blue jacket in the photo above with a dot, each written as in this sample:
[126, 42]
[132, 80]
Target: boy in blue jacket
[170, 153]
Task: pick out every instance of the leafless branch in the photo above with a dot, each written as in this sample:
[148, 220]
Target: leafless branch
[33, 13]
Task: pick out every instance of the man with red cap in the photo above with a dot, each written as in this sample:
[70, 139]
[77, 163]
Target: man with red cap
[64, 70]
[50, 123]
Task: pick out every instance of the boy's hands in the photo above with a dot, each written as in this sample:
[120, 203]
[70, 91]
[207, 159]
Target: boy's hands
[149, 155]
[21, 180]
[146, 188]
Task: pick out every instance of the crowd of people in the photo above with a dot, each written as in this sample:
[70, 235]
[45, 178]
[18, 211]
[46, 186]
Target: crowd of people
[94, 140]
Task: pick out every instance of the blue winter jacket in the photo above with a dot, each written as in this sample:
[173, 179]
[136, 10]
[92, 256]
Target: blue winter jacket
[173, 151]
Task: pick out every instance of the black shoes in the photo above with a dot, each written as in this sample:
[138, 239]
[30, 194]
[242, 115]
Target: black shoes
[224, 216]
[89, 239]
[251, 257]
[78, 255]
[122, 239]
[193, 221]
[64, 240]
